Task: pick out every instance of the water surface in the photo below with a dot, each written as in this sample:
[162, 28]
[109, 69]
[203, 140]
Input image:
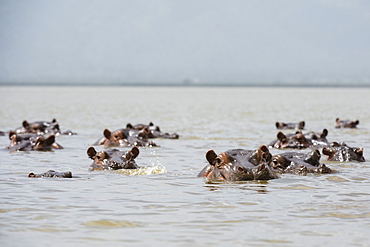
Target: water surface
[165, 203]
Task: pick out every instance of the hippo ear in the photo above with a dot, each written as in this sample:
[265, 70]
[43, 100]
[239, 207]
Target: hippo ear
[129, 126]
[359, 152]
[91, 152]
[264, 149]
[316, 153]
[107, 134]
[50, 140]
[11, 133]
[337, 120]
[135, 152]
[54, 120]
[32, 175]
[25, 124]
[357, 122]
[151, 124]
[301, 124]
[281, 136]
[128, 155]
[324, 133]
[211, 156]
[277, 124]
[327, 152]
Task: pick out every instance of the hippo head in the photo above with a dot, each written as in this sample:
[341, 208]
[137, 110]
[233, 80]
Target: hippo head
[343, 153]
[224, 168]
[113, 159]
[116, 138]
[297, 140]
[43, 144]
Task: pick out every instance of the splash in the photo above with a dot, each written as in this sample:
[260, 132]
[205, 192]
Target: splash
[145, 170]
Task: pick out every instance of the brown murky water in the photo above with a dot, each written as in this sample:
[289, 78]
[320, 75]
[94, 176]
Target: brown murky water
[164, 203]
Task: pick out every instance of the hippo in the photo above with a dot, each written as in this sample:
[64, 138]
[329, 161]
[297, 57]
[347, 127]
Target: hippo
[281, 125]
[346, 123]
[154, 131]
[51, 174]
[238, 165]
[299, 163]
[41, 128]
[125, 137]
[113, 159]
[32, 143]
[343, 153]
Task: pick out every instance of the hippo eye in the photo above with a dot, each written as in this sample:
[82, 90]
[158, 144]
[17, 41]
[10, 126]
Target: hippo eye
[98, 157]
[240, 169]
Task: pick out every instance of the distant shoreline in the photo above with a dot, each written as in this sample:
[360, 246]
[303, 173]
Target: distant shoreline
[140, 84]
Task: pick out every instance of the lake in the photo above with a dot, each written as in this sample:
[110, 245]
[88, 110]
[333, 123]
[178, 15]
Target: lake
[165, 203]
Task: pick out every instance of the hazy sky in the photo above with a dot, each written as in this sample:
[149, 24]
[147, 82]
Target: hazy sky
[174, 40]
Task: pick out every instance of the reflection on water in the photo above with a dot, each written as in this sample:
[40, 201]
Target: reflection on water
[164, 202]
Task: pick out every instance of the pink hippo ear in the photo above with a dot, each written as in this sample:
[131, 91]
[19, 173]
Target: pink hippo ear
[281, 136]
[129, 126]
[107, 134]
[91, 152]
[211, 157]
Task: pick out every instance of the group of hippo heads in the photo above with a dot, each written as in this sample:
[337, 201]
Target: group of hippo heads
[231, 165]
[260, 164]
[134, 135]
[41, 136]
[38, 136]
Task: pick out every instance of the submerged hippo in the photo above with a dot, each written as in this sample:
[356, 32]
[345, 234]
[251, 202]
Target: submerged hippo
[318, 139]
[346, 123]
[299, 163]
[238, 165]
[42, 128]
[51, 174]
[297, 140]
[281, 125]
[113, 159]
[153, 131]
[343, 153]
[31, 142]
[125, 137]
